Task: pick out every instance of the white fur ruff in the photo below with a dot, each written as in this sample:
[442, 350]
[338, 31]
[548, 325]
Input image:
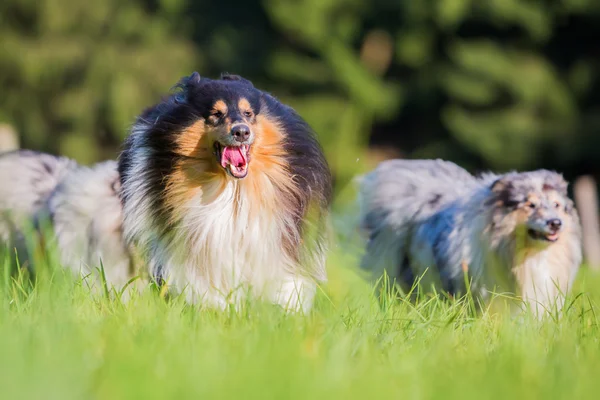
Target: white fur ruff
[221, 252]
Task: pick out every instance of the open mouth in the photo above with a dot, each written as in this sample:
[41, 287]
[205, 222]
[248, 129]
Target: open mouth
[234, 159]
[548, 237]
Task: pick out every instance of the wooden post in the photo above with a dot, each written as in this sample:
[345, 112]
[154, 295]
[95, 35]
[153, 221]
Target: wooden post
[8, 138]
[586, 200]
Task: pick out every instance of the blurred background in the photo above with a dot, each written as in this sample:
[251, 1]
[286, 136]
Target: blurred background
[495, 84]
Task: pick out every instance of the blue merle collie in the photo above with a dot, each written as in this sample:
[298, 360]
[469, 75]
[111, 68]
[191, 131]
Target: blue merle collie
[431, 220]
[80, 203]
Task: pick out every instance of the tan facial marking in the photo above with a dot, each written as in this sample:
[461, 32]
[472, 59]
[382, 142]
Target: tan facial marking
[524, 210]
[244, 105]
[532, 199]
[220, 106]
[193, 170]
[190, 142]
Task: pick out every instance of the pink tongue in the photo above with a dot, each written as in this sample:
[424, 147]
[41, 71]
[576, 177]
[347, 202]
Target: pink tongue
[234, 156]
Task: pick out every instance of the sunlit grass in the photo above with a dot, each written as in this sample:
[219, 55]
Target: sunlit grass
[58, 341]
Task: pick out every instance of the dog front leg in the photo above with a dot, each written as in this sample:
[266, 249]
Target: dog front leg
[295, 294]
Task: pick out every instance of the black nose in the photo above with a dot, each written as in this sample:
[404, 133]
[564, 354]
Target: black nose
[241, 132]
[554, 224]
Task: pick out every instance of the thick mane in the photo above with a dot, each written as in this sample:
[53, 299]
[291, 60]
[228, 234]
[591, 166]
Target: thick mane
[153, 137]
[303, 151]
[310, 173]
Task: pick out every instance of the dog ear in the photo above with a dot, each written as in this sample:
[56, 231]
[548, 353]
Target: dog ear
[188, 81]
[231, 77]
[194, 78]
[555, 181]
[116, 186]
[569, 206]
[185, 85]
[502, 190]
[501, 185]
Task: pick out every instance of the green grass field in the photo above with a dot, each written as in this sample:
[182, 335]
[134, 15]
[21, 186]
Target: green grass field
[58, 342]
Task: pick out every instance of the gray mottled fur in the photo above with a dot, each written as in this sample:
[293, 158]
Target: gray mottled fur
[431, 215]
[82, 204]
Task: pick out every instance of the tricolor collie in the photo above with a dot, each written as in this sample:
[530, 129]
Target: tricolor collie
[517, 232]
[226, 191]
[81, 204]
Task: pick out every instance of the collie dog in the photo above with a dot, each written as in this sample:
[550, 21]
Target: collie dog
[433, 221]
[82, 206]
[226, 193]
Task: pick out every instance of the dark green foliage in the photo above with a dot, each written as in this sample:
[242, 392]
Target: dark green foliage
[498, 84]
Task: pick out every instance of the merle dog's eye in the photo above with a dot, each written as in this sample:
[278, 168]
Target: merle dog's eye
[556, 204]
[531, 205]
[248, 114]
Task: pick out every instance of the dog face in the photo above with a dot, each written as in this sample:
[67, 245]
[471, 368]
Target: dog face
[534, 202]
[228, 109]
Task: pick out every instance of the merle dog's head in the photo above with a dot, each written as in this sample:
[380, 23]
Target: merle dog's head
[535, 202]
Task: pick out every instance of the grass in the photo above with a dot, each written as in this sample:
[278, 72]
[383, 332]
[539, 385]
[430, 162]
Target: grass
[58, 342]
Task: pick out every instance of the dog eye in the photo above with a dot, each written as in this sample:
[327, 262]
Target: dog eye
[556, 204]
[248, 114]
[218, 114]
[531, 205]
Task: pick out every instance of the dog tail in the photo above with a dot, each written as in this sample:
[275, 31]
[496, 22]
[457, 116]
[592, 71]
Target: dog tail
[80, 204]
[27, 178]
[397, 194]
[87, 218]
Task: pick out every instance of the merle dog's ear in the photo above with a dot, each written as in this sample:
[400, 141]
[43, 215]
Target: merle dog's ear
[116, 186]
[569, 206]
[555, 181]
[501, 185]
[231, 77]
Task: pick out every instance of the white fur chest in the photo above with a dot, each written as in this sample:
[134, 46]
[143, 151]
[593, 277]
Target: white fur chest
[544, 276]
[226, 248]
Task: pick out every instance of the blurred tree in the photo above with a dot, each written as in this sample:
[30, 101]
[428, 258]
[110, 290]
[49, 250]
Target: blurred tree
[345, 67]
[497, 84]
[74, 74]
